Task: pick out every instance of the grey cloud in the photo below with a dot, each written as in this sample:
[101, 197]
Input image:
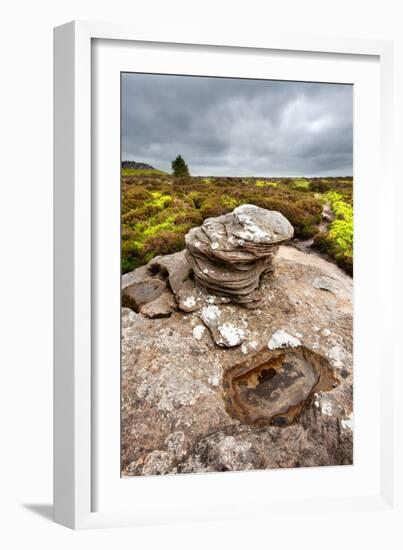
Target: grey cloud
[238, 127]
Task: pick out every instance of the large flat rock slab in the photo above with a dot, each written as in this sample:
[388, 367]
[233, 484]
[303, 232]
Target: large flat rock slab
[190, 404]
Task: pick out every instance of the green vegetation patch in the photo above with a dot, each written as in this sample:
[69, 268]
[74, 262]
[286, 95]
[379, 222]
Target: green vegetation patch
[158, 210]
[301, 183]
[158, 200]
[262, 183]
[338, 241]
[142, 172]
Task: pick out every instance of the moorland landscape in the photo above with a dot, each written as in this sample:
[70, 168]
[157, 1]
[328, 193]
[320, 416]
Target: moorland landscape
[158, 209]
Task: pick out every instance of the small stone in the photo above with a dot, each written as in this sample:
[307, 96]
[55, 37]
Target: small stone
[281, 339]
[198, 332]
[223, 329]
[162, 307]
[231, 335]
[142, 292]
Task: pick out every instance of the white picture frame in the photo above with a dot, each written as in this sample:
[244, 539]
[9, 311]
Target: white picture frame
[79, 421]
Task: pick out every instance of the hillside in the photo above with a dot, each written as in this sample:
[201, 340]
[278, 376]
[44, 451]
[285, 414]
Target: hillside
[133, 168]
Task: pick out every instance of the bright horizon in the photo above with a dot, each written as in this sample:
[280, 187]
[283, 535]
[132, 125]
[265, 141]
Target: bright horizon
[243, 176]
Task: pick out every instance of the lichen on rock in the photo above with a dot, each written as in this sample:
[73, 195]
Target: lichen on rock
[215, 386]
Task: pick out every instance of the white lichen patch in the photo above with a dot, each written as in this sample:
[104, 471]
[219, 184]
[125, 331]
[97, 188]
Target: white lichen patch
[281, 339]
[251, 231]
[324, 405]
[231, 334]
[189, 302]
[198, 332]
[214, 380]
[175, 443]
[210, 315]
[215, 375]
[158, 462]
[336, 355]
[347, 423]
[234, 454]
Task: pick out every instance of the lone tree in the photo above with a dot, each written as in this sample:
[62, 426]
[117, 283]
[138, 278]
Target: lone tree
[179, 167]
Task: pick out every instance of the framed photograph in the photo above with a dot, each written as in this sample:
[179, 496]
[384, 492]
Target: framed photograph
[220, 276]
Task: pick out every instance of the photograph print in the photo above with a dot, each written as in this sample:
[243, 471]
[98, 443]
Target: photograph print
[237, 274]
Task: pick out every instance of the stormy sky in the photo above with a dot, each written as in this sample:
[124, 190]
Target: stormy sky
[237, 127]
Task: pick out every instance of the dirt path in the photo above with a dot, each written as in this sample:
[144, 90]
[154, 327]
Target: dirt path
[305, 245]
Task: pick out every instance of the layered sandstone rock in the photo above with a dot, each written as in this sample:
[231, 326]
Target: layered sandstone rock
[223, 262]
[228, 254]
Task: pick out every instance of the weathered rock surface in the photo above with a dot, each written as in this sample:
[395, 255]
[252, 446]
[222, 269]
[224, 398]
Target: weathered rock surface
[228, 254]
[274, 390]
[223, 262]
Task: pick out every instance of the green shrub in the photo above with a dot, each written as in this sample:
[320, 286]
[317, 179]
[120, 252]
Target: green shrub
[158, 210]
[300, 184]
[320, 186]
[262, 183]
[228, 201]
[165, 242]
[141, 172]
[212, 208]
[338, 241]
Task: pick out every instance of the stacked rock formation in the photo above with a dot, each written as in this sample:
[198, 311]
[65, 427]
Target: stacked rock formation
[228, 254]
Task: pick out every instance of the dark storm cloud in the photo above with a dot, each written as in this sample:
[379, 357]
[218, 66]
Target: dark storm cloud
[238, 127]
